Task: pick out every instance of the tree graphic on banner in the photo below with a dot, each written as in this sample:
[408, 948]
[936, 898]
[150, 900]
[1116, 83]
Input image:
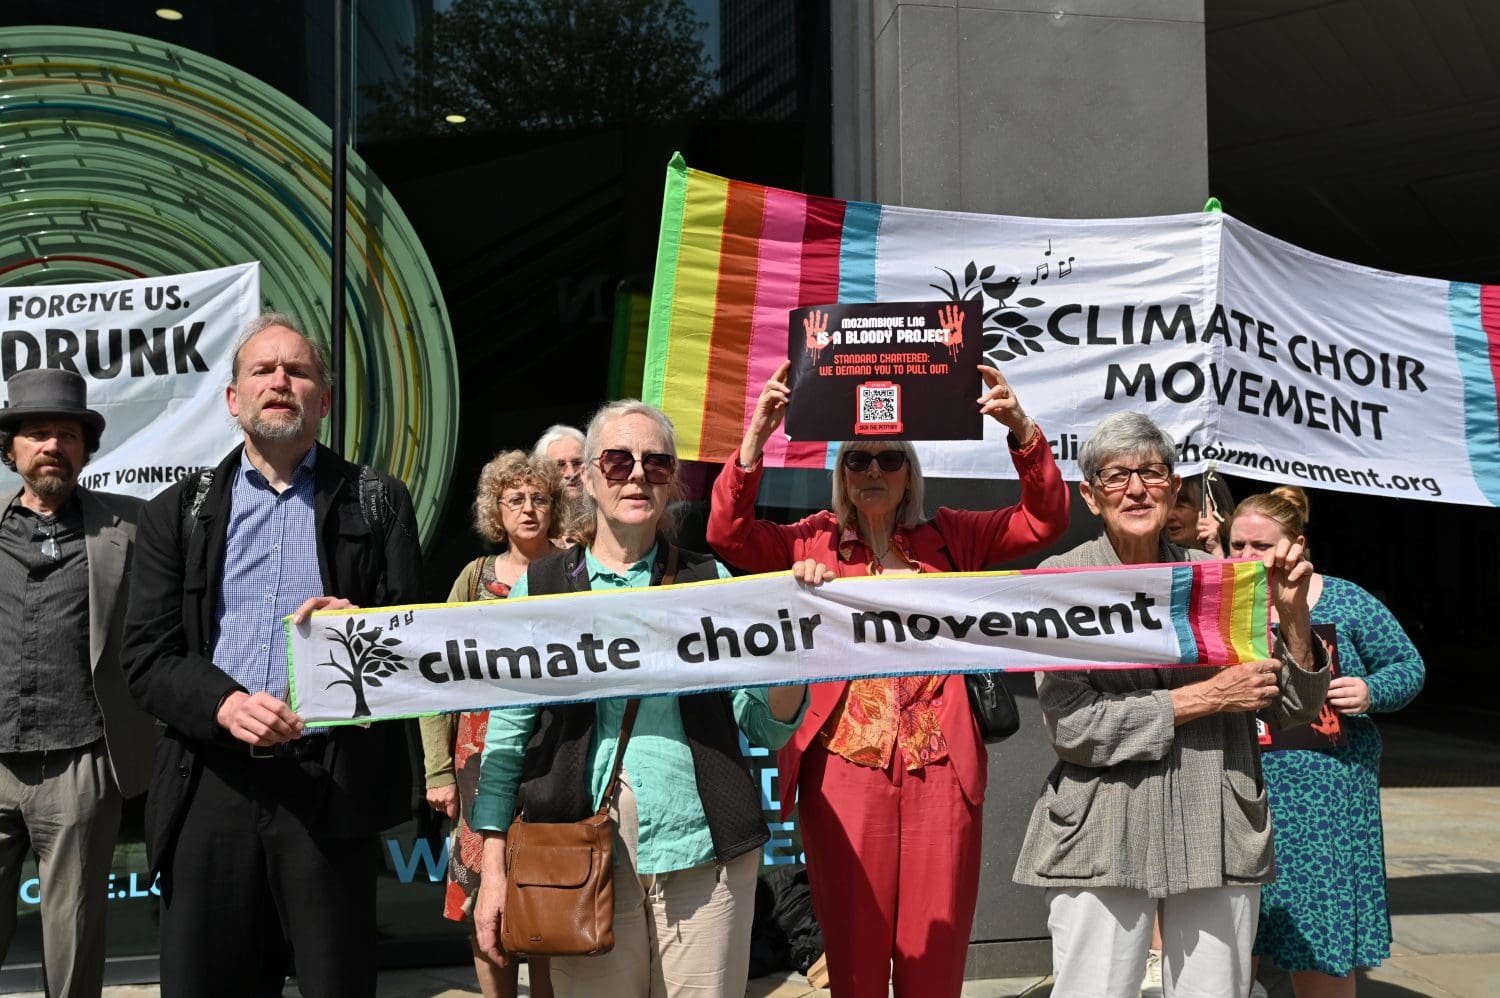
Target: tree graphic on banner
[370, 659]
[1008, 332]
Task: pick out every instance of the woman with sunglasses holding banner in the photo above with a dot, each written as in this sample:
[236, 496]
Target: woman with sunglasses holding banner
[688, 818]
[890, 773]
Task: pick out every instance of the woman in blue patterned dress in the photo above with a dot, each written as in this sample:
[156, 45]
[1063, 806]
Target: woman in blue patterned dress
[1326, 913]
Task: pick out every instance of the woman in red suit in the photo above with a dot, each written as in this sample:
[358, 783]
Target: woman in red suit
[890, 772]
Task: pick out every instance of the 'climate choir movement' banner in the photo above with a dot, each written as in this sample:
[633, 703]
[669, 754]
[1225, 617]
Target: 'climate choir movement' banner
[362, 665]
[1257, 356]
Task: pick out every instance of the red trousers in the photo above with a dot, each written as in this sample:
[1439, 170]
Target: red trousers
[893, 860]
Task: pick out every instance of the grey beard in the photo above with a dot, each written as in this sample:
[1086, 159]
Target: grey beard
[53, 486]
[265, 429]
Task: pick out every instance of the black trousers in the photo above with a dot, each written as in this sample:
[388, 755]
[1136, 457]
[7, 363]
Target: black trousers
[249, 885]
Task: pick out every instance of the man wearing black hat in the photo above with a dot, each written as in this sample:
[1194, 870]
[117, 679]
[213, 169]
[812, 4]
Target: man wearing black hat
[72, 741]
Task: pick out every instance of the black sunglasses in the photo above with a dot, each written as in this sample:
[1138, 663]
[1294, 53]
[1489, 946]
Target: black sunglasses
[616, 466]
[859, 460]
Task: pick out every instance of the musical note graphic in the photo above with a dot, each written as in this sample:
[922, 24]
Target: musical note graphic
[1042, 270]
[1065, 267]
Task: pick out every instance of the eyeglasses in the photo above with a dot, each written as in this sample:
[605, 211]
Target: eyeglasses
[859, 460]
[1117, 477]
[617, 465]
[516, 503]
[47, 530]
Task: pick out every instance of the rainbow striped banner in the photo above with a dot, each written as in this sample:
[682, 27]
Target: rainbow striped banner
[734, 258]
[1219, 609]
[1259, 357]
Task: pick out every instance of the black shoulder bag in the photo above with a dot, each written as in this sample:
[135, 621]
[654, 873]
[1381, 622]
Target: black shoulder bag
[995, 710]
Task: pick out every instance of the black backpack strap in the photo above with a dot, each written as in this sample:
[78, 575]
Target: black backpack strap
[375, 501]
[192, 499]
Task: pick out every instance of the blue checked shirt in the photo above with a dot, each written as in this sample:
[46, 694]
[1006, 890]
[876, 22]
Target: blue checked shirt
[270, 569]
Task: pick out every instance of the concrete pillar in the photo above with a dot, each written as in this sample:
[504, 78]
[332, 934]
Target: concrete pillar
[1067, 108]
[1063, 108]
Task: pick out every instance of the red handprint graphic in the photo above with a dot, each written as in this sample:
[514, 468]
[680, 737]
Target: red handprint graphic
[1327, 722]
[816, 327]
[952, 319]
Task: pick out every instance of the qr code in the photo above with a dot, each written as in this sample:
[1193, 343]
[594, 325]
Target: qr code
[877, 405]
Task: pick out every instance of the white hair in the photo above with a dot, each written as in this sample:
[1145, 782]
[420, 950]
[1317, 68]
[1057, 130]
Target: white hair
[554, 433]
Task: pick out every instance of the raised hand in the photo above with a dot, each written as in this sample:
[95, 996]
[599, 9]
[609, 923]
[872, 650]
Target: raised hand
[770, 410]
[1208, 536]
[1291, 576]
[999, 401]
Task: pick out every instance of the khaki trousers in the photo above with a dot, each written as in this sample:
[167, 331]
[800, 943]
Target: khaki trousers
[64, 806]
[684, 934]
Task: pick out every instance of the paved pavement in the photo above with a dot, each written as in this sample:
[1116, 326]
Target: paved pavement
[1442, 856]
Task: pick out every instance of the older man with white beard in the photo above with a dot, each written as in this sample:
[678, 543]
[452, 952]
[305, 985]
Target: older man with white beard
[563, 445]
[72, 742]
[264, 830]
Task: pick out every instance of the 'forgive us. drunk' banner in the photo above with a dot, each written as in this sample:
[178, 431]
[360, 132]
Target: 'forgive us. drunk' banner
[359, 665]
[155, 353]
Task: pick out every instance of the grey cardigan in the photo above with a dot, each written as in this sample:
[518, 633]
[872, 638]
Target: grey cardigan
[1135, 802]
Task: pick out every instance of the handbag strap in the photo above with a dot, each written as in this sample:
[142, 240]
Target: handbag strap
[634, 705]
[474, 579]
[668, 576]
[631, 709]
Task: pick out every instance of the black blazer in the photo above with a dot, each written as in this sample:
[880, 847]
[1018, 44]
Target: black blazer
[170, 634]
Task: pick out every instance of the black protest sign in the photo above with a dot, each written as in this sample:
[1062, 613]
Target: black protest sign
[894, 370]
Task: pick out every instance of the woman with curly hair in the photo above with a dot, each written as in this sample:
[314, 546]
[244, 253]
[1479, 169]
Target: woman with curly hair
[519, 503]
[1326, 912]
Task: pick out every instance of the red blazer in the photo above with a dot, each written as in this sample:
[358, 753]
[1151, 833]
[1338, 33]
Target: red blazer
[955, 539]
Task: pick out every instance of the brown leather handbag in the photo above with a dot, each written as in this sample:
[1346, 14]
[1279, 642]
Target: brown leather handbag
[560, 886]
[560, 883]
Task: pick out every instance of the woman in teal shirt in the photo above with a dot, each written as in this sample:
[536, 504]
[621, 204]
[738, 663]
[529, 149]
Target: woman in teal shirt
[688, 813]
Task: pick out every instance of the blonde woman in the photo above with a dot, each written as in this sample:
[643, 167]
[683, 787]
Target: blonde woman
[1326, 913]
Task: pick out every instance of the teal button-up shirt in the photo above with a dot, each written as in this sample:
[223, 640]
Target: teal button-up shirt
[673, 828]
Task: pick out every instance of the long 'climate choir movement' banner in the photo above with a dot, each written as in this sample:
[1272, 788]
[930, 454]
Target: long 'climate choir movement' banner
[155, 353]
[361, 665]
[1256, 355]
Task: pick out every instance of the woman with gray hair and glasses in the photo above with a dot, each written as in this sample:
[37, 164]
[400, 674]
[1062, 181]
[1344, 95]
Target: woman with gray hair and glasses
[1157, 797]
